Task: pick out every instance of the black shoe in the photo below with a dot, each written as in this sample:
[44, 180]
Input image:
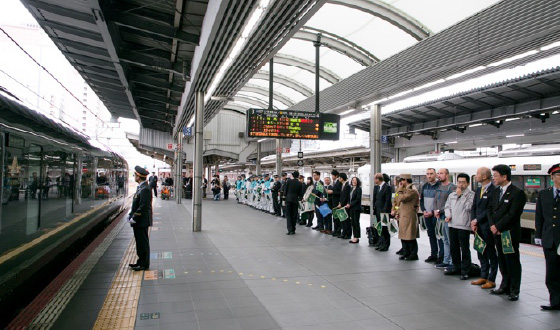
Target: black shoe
[439, 260]
[550, 307]
[289, 233]
[513, 297]
[400, 252]
[402, 257]
[431, 259]
[499, 291]
[138, 268]
[308, 225]
[132, 265]
[383, 249]
[451, 272]
[410, 258]
[464, 277]
[315, 228]
[301, 223]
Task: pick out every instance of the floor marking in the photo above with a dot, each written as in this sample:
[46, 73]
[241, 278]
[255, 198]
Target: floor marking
[120, 306]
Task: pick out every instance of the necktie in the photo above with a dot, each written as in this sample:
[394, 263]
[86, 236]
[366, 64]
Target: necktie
[481, 191]
[557, 196]
[501, 193]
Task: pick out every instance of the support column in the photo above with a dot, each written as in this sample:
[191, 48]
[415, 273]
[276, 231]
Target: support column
[317, 45]
[258, 170]
[217, 168]
[179, 169]
[278, 157]
[374, 149]
[198, 166]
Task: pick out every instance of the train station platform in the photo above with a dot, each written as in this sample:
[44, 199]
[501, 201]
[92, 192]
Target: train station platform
[243, 272]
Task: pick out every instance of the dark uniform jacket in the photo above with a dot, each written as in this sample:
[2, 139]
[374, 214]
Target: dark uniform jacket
[479, 209]
[337, 190]
[505, 213]
[293, 191]
[275, 188]
[141, 209]
[329, 196]
[317, 192]
[153, 180]
[345, 194]
[547, 219]
[356, 199]
[382, 199]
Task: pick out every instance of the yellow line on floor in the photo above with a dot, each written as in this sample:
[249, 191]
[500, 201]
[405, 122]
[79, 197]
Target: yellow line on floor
[121, 303]
[532, 253]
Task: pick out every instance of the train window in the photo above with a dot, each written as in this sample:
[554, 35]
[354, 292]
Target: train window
[21, 175]
[85, 187]
[57, 189]
[105, 180]
[532, 185]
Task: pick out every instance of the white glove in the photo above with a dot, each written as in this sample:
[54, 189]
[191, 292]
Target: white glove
[538, 241]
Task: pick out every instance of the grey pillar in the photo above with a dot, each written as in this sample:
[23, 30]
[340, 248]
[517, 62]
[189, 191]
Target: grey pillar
[374, 149]
[197, 163]
[217, 168]
[278, 157]
[258, 170]
[179, 169]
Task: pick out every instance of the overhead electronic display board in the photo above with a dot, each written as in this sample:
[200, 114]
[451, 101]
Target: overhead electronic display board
[280, 124]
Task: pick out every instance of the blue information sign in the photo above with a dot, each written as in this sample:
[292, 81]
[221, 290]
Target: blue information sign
[384, 139]
[187, 131]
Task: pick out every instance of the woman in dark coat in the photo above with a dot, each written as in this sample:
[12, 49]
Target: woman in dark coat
[354, 208]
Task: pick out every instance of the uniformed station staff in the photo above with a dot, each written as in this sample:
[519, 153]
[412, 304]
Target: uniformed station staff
[140, 218]
[547, 222]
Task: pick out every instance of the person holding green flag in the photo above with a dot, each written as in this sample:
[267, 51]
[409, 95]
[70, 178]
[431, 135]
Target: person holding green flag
[406, 214]
[479, 224]
[504, 216]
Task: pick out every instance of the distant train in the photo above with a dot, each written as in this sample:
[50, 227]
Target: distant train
[58, 189]
[529, 172]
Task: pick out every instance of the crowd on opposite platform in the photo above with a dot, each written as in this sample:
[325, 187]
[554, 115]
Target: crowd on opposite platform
[449, 213]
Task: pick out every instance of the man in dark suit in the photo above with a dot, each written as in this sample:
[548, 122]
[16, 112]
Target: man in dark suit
[274, 191]
[504, 213]
[293, 194]
[479, 224]
[334, 195]
[327, 198]
[547, 223]
[346, 226]
[381, 204]
[316, 182]
[282, 193]
[153, 183]
[140, 218]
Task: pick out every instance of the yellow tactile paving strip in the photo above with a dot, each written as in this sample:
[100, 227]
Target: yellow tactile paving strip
[120, 306]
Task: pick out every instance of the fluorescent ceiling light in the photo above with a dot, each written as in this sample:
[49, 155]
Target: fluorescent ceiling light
[513, 58]
[515, 135]
[430, 84]
[346, 112]
[191, 122]
[464, 73]
[452, 142]
[550, 46]
[475, 125]
[261, 140]
[512, 119]
[240, 42]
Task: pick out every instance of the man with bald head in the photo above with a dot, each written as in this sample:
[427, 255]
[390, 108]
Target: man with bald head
[480, 225]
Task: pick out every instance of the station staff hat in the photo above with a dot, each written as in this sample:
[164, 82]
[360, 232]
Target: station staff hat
[406, 176]
[141, 172]
[554, 169]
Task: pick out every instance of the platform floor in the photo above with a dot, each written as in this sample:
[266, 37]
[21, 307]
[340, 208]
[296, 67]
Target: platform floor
[243, 272]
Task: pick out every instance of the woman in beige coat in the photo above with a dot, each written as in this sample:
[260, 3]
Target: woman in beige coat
[408, 200]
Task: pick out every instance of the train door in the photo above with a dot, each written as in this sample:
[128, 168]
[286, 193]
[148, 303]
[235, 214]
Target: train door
[35, 178]
[3, 196]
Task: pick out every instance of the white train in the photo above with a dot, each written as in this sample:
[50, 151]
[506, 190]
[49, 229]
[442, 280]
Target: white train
[529, 172]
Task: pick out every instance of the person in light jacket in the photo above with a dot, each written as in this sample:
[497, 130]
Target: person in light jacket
[458, 217]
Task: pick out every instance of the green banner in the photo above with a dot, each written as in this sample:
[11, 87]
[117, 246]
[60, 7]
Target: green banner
[507, 244]
[479, 244]
[379, 228]
[393, 227]
[320, 188]
[422, 222]
[374, 221]
[311, 199]
[384, 218]
[341, 214]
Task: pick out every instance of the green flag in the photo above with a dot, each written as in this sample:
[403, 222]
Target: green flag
[374, 221]
[320, 187]
[311, 199]
[384, 218]
[393, 227]
[507, 244]
[439, 228]
[341, 214]
[379, 228]
[422, 222]
[479, 244]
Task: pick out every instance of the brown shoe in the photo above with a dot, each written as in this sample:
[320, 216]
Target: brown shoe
[328, 232]
[322, 231]
[488, 285]
[480, 281]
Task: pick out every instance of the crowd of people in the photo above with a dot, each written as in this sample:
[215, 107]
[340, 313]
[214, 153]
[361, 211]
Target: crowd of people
[449, 213]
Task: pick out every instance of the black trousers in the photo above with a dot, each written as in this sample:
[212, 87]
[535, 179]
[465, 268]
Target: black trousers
[142, 246]
[552, 275]
[155, 190]
[291, 215]
[489, 259]
[460, 249]
[310, 217]
[327, 221]
[275, 204]
[336, 226]
[355, 220]
[384, 239]
[510, 266]
[226, 193]
[410, 248]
